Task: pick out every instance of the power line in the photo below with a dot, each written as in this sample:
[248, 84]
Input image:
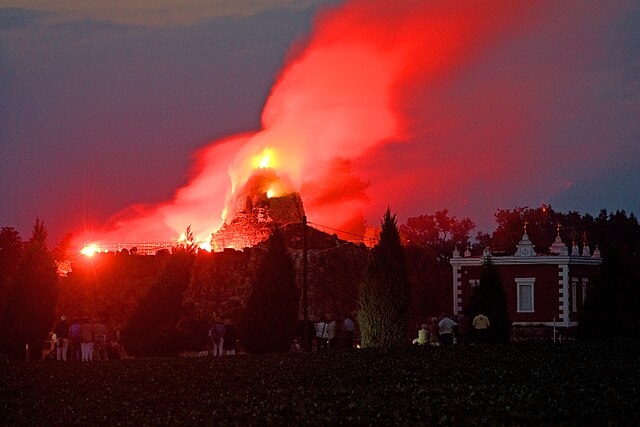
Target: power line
[342, 231]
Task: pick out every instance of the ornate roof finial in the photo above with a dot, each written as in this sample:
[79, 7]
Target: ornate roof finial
[456, 253]
[525, 226]
[558, 228]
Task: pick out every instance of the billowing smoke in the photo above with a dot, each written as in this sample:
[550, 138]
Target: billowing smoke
[416, 104]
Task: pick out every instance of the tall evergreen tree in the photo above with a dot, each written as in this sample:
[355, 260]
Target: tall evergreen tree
[10, 252]
[152, 329]
[490, 299]
[271, 315]
[30, 310]
[384, 292]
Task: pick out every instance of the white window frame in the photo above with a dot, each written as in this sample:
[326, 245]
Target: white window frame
[474, 283]
[574, 295]
[585, 283]
[521, 282]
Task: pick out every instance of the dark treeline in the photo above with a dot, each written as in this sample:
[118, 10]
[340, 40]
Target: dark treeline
[160, 308]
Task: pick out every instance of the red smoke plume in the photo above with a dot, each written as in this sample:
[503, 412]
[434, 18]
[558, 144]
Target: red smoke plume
[380, 108]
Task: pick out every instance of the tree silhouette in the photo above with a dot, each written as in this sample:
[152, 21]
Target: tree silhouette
[151, 330]
[439, 232]
[31, 303]
[610, 309]
[384, 292]
[271, 315]
[10, 251]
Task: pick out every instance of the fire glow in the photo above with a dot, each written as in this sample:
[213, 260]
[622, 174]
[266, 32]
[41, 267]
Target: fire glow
[337, 103]
[90, 250]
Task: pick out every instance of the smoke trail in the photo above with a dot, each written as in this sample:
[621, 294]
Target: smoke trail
[334, 102]
[393, 102]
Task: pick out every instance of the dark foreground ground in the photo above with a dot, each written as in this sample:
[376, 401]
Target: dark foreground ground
[575, 384]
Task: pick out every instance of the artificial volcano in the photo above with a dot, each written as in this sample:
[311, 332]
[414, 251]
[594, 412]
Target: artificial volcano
[261, 205]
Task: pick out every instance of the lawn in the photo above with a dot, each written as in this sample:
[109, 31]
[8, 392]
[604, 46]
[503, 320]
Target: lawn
[569, 383]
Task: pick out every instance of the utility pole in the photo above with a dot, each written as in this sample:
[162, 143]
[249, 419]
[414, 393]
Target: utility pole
[305, 285]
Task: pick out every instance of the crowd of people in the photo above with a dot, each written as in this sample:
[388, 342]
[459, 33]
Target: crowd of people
[334, 332]
[87, 339]
[457, 330]
[82, 340]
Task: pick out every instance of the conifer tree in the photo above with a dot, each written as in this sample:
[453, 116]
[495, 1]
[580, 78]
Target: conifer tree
[271, 315]
[30, 310]
[11, 248]
[152, 329]
[490, 299]
[384, 292]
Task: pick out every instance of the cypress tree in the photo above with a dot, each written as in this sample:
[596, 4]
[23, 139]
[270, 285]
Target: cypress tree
[271, 315]
[490, 299]
[384, 292]
[152, 329]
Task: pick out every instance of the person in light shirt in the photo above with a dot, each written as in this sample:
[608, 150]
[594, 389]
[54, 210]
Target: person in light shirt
[481, 328]
[423, 335]
[445, 327]
[322, 334]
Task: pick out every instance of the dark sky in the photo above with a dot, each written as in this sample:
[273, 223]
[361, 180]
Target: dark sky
[103, 108]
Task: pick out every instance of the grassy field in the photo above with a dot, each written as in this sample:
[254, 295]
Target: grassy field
[569, 384]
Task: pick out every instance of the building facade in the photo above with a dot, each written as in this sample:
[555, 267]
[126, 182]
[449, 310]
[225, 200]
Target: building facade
[541, 289]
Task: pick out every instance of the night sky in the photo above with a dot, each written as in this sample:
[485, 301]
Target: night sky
[131, 120]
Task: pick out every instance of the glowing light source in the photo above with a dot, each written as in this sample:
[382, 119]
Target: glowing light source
[90, 250]
[270, 193]
[264, 160]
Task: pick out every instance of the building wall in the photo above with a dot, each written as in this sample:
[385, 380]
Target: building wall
[554, 295]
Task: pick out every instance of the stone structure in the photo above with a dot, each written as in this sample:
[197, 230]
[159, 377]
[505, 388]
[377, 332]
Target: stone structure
[257, 212]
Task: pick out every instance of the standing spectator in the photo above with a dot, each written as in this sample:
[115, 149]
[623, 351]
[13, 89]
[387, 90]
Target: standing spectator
[446, 326]
[322, 334]
[230, 338]
[86, 340]
[349, 330]
[336, 333]
[434, 332]
[74, 337]
[480, 328]
[62, 338]
[216, 338]
[311, 328]
[463, 329]
[99, 332]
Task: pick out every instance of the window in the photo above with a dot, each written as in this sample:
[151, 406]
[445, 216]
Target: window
[473, 283]
[584, 289]
[525, 294]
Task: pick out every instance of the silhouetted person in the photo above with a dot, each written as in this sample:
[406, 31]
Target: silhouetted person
[322, 334]
[99, 332]
[349, 331]
[62, 338]
[86, 340]
[446, 326]
[230, 338]
[74, 339]
[307, 343]
[216, 338]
